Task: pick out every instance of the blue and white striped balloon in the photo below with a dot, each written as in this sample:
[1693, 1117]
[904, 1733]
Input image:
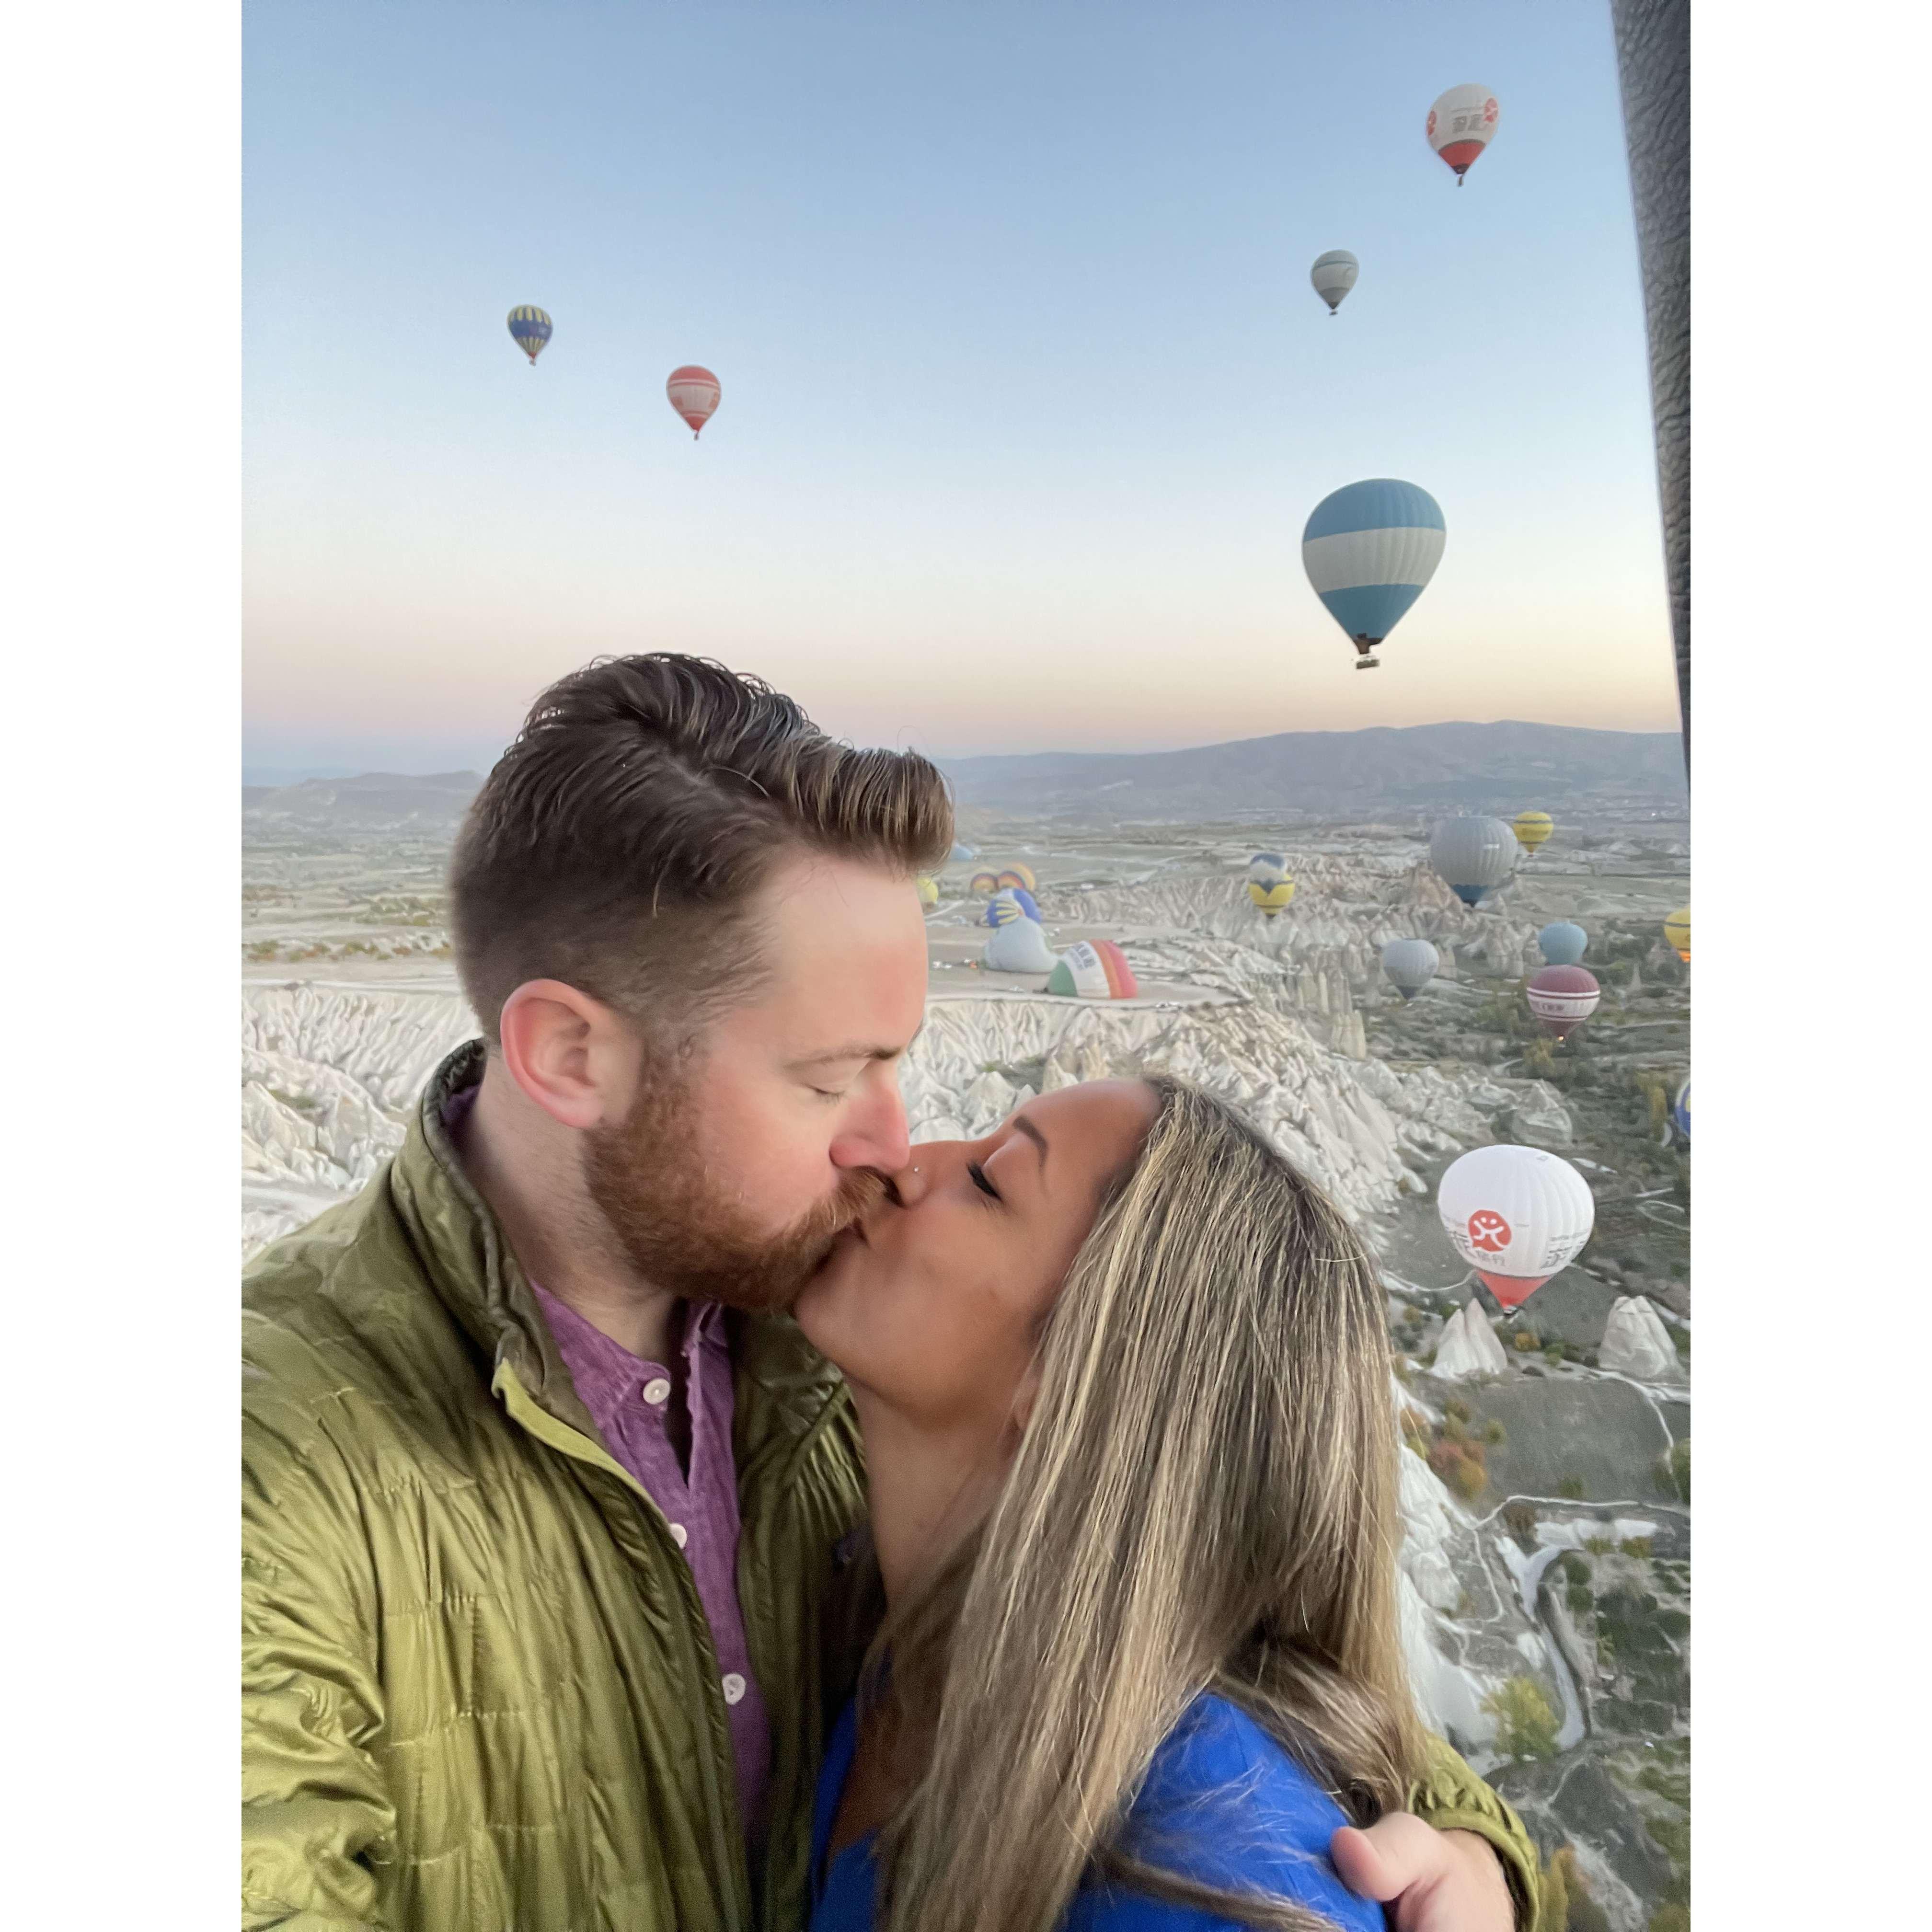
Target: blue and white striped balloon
[1369, 551]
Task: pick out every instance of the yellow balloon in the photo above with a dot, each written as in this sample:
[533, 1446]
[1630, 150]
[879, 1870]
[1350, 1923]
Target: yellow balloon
[929, 891]
[1677, 931]
[1532, 828]
[1270, 899]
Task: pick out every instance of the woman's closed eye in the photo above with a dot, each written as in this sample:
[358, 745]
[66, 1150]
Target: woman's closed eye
[978, 1174]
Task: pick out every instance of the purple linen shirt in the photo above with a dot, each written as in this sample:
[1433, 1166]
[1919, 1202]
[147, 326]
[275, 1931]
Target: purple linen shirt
[629, 1400]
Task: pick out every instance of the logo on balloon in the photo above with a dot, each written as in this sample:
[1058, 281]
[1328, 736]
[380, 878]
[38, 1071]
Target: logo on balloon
[1432, 121]
[1489, 1232]
[1489, 111]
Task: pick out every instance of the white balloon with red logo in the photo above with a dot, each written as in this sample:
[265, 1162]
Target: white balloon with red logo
[1517, 1215]
[1461, 124]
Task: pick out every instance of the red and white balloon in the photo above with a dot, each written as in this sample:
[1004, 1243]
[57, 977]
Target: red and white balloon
[1517, 1215]
[694, 393]
[1563, 998]
[1461, 124]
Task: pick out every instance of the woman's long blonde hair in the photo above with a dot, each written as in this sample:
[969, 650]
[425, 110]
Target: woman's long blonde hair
[1203, 1499]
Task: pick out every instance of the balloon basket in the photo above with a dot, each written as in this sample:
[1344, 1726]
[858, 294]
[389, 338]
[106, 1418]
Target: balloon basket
[1368, 664]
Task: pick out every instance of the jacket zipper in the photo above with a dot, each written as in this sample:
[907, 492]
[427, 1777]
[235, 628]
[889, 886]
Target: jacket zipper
[538, 1421]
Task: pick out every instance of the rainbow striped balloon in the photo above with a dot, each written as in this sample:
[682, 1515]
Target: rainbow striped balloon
[1094, 969]
[1020, 875]
[985, 883]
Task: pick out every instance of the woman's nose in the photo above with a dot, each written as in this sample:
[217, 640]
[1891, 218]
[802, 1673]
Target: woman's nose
[911, 1182]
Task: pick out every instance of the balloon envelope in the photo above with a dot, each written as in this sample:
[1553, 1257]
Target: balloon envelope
[1271, 896]
[1267, 867]
[1677, 931]
[961, 853]
[1021, 947]
[1516, 1215]
[1533, 828]
[1370, 549]
[1094, 969]
[694, 393]
[1561, 942]
[929, 891]
[985, 883]
[1472, 857]
[530, 327]
[1411, 965]
[1019, 875]
[1680, 1111]
[1563, 998]
[1461, 124]
[1014, 902]
[1334, 275]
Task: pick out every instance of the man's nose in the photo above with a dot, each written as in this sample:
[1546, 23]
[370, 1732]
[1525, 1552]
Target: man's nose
[878, 1136]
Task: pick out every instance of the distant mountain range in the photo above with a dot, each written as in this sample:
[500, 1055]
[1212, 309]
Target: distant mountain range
[1420, 768]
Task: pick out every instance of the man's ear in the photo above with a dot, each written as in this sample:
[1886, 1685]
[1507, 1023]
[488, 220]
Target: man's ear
[568, 1054]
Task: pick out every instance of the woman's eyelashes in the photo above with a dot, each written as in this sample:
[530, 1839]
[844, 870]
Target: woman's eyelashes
[978, 1175]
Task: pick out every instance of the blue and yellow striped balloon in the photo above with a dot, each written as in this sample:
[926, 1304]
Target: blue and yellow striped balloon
[530, 327]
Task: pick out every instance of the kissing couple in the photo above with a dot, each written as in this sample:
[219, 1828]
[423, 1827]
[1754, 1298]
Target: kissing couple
[671, 1499]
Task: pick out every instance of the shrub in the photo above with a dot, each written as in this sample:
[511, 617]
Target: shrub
[1519, 1519]
[1673, 1471]
[1574, 1567]
[1579, 1598]
[1494, 1433]
[1455, 1410]
[1526, 1341]
[1671, 1919]
[1526, 1725]
[1598, 1546]
[1571, 1490]
[1553, 1353]
[1637, 1546]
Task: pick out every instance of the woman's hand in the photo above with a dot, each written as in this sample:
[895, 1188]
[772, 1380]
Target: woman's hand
[1432, 1881]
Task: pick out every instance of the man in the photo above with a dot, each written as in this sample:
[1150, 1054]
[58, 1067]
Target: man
[544, 1499]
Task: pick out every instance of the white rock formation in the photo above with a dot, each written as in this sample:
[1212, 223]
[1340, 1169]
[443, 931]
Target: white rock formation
[1469, 1348]
[1636, 1343]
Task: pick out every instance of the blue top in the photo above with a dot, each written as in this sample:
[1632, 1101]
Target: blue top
[1223, 1802]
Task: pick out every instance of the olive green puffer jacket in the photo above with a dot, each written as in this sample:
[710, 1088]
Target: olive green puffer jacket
[478, 1689]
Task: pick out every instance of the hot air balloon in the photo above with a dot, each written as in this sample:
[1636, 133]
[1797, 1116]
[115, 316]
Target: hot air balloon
[694, 394]
[1272, 898]
[1264, 867]
[1019, 875]
[1334, 275]
[1680, 1111]
[531, 329]
[1533, 828]
[1094, 969]
[1015, 902]
[1020, 947]
[985, 883]
[1561, 942]
[1370, 550]
[1677, 931]
[1461, 124]
[961, 853]
[1411, 965]
[929, 891]
[1563, 998]
[1472, 857]
[1516, 1215]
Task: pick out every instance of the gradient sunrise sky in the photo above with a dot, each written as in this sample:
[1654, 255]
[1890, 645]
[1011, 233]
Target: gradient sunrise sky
[1027, 396]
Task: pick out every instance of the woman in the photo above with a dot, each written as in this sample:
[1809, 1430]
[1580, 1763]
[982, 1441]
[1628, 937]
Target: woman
[1124, 1378]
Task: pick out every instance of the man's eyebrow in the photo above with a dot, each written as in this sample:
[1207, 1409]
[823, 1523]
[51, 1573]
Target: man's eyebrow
[1021, 1125]
[857, 1049]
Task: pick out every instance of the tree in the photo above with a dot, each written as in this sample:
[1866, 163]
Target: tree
[1526, 1725]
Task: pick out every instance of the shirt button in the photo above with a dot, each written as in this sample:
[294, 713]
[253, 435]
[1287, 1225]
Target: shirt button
[678, 1534]
[734, 1687]
[656, 1390]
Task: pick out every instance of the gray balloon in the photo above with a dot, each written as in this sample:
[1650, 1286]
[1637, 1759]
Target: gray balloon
[1021, 947]
[1472, 857]
[1410, 963]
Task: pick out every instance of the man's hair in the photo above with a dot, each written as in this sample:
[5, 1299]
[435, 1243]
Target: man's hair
[619, 842]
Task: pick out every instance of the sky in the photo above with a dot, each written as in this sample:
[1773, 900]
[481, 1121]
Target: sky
[1027, 396]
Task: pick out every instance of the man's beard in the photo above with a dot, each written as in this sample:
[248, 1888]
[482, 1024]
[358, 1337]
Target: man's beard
[684, 1232]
